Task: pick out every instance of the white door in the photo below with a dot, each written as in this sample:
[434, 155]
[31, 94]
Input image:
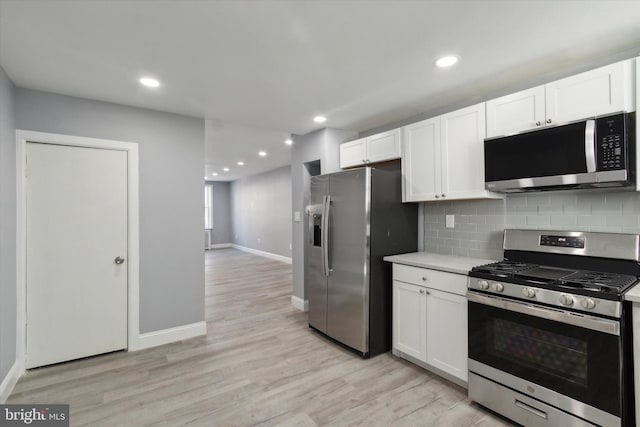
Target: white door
[353, 153]
[420, 161]
[516, 112]
[447, 332]
[383, 146]
[462, 153]
[596, 92]
[76, 201]
[410, 319]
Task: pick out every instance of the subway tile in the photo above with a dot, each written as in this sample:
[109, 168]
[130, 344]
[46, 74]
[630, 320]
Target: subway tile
[460, 251]
[550, 210]
[431, 233]
[516, 200]
[486, 227]
[560, 198]
[591, 220]
[622, 220]
[462, 219]
[451, 243]
[606, 208]
[515, 220]
[467, 209]
[527, 210]
[632, 230]
[444, 234]
[495, 219]
[436, 226]
[538, 219]
[467, 227]
[576, 209]
[537, 199]
[562, 220]
[444, 250]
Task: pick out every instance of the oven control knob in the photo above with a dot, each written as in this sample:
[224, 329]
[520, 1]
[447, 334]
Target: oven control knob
[528, 292]
[483, 284]
[588, 303]
[497, 287]
[566, 299]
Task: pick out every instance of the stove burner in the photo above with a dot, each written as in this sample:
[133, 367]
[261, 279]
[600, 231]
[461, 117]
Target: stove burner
[559, 278]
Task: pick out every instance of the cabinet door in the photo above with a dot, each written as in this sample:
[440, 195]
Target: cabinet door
[516, 112]
[353, 153]
[447, 332]
[383, 146]
[420, 161]
[601, 91]
[410, 320]
[462, 153]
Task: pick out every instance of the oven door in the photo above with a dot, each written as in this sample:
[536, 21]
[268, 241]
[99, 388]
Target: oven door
[573, 355]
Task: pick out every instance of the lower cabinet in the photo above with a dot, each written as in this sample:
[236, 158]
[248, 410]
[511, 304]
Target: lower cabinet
[430, 325]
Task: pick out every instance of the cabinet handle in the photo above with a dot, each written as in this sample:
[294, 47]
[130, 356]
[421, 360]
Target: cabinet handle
[428, 293]
[364, 161]
[444, 195]
[424, 279]
[437, 197]
[548, 120]
[538, 123]
[422, 291]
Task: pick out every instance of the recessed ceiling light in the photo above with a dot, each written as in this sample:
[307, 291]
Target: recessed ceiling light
[288, 142]
[319, 119]
[149, 82]
[262, 153]
[215, 174]
[240, 163]
[446, 61]
[225, 169]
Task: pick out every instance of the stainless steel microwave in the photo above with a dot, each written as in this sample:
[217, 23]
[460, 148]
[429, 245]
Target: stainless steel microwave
[598, 152]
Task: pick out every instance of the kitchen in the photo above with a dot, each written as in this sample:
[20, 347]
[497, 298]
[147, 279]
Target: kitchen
[477, 224]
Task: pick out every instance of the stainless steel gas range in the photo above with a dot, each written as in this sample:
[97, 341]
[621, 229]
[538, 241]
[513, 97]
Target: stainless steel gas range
[550, 340]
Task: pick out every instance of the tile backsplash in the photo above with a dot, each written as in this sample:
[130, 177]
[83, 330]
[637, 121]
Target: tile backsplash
[479, 223]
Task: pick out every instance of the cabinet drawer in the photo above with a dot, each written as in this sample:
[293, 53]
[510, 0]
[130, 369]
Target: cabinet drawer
[447, 282]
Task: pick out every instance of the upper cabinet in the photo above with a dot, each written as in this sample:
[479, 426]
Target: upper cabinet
[372, 149]
[443, 157]
[516, 112]
[596, 92]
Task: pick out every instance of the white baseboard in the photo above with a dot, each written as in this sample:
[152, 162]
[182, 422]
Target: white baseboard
[220, 246]
[299, 303]
[166, 336]
[264, 254]
[9, 382]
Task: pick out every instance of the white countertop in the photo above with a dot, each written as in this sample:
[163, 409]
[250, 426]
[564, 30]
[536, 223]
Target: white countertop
[633, 294]
[449, 263]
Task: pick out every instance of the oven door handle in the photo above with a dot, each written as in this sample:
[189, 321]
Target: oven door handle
[581, 320]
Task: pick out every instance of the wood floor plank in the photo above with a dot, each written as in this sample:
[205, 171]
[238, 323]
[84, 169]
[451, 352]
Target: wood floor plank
[259, 364]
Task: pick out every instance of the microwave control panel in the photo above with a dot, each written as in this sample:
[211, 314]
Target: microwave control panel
[610, 144]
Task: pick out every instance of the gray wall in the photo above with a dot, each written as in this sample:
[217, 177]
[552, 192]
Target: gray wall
[222, 228]
[171, 149]
[7, 227]
[261, 211]
[479, 224]
[323, 145]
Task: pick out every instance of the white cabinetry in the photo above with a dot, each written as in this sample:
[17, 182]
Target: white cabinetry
[602, 91]
[430, 320]
[443, 157]
[372, 149]
[516, 112]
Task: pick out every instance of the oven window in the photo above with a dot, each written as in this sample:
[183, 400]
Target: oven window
[574, 361]
[558, 355]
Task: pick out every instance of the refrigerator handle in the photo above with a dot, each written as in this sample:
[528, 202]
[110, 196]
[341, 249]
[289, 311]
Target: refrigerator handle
[325, 235]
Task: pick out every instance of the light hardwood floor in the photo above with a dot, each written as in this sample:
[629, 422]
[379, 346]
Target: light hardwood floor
[258, 365]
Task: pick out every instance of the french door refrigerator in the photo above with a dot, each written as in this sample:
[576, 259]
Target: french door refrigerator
[356, 217]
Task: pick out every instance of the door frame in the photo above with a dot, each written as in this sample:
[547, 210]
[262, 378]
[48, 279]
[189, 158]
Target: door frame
[133, 234]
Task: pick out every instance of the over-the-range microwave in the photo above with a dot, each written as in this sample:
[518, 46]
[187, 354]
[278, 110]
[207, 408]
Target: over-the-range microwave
[593, 153]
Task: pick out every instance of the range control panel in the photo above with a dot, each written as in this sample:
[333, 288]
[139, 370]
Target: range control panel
[610, 144]
[562, 241]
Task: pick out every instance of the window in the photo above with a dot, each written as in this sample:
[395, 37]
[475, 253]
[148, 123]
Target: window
[208, 203]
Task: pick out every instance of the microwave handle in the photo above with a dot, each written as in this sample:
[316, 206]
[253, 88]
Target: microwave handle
[590, 145]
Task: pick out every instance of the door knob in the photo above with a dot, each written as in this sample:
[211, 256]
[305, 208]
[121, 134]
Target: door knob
[119, 260]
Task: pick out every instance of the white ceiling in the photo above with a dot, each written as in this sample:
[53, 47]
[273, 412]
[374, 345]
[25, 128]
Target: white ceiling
[260, 70]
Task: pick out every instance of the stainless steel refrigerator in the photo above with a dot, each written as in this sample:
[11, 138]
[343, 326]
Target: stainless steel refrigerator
[356, 217]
